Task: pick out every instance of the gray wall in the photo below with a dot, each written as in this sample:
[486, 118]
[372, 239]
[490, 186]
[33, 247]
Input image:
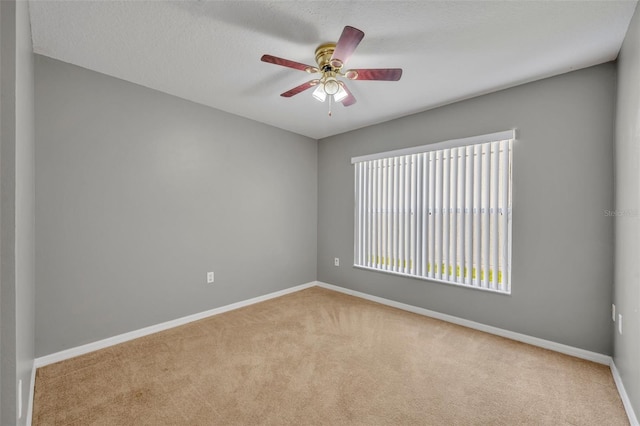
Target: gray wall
[16, 210]
[139, 194]
[563, 179]
[627, 229]
[8, 407]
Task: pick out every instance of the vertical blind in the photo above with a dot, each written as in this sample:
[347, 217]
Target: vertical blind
[442, 214]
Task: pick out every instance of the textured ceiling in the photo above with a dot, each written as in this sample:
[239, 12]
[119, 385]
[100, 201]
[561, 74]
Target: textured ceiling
[209, 51]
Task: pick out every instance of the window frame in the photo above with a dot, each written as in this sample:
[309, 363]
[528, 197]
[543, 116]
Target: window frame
[508, 135]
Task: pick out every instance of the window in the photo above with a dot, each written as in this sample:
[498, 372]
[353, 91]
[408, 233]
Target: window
[439, 212]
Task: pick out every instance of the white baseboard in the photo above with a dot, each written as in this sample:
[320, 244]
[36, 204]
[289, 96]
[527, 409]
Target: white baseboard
[633, 420]
[101, 344]
[32, 388]
[535, 341]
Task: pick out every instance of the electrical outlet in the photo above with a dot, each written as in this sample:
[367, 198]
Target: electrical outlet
[613, 312]
[336, 261]
[210, 277]
[620, 323]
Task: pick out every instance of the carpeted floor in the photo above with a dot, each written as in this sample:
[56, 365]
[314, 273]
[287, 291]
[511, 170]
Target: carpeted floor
[318, 357]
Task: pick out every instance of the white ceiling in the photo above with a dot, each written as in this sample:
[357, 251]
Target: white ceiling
[209, 51]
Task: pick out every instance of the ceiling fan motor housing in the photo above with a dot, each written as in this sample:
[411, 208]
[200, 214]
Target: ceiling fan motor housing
[323, 58]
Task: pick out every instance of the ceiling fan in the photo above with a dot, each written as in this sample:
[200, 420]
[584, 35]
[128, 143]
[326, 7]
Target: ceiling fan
[331, 58]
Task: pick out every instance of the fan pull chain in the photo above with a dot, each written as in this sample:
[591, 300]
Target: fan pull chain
[330, 100]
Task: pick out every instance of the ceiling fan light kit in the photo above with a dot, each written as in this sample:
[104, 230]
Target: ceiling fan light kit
[331, 58]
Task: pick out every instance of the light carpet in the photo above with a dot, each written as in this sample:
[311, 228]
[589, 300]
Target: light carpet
[319, 357]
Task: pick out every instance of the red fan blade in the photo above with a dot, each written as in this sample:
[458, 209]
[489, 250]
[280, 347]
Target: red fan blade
[287, 63]
[388, 74]
[350, 99]
[304, 86]
[349, 40]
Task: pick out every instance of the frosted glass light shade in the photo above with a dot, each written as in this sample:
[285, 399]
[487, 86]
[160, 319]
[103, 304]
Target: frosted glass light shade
[319, 93]
[339, 97]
